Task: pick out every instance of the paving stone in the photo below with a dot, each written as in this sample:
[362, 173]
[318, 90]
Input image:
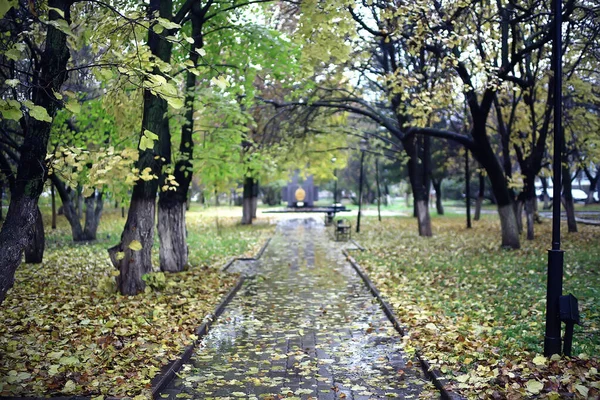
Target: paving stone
[304, 314]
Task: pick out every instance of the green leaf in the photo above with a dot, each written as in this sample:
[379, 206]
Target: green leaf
[167, 24]
[58, 11]
[5, 6]
[38, 112]
[73, 106]
[70, 387]
[175, 102]
[11, 109]
[12, 82]
[135, 245]
[68, 360]
[62, 26]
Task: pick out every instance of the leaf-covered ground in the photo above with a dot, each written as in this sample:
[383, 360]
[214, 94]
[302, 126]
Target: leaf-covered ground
[62, 330]
[476, 312]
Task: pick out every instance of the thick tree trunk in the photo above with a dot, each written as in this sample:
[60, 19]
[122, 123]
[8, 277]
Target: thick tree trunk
[248, 204]
[53, 205]
[546, 205]
[530, 204]
[173, 204]
[31, 170]
[424, 218]
[69, 209]
[173, 236]
[593, 185]
[1, 199]
[93, 211]
[437, 186]
[480, 197]
[567, 200]
[34, 253]
[131, 261]
[127, 256]
[519, 214]
[419, 179]
[508, 223]
[79, 202]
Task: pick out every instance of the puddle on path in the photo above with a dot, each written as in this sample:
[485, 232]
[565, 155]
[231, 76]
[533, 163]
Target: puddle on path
[303, 327]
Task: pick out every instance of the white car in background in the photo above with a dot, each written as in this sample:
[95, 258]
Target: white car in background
[578, 194]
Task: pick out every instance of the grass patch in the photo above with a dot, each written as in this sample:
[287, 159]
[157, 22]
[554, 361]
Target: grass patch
[63, 331]
[477, 312]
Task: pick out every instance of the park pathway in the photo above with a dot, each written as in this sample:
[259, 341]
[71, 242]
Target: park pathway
[303, 327]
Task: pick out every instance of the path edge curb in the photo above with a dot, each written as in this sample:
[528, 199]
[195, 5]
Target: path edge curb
[168, 372]
[255, 258]
[433, 374]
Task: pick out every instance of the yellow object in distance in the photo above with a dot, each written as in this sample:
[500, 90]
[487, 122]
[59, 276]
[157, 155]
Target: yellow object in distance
[300, 194]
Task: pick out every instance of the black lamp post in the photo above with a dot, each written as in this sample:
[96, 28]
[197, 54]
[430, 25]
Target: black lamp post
[333, 160]
[363, 147]
[468, 188]
[552, 341]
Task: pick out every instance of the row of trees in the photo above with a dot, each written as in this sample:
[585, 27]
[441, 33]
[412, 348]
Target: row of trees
[81, 79]
[127, 101]
[475, 73]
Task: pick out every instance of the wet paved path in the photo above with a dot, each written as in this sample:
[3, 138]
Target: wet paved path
[304, 327]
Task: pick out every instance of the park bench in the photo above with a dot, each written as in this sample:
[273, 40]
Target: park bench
[329, 216]
[342, 230]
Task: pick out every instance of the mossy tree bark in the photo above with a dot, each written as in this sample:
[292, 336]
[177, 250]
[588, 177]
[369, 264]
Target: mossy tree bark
[131, 261]
[172, 203]
[34, 252]
[31, 169]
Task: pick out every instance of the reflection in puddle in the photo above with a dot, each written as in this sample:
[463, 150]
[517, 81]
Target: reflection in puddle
[303, 326]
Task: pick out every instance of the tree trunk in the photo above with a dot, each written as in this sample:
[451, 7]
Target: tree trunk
[127, 256]
[173, 236]
[480, 196]
[248, 203]
[53, 205]
[93, 211]
[530, 216]
[31, 170]
[567, 199]
[378, 189]
[174, 202]
[418, 173]
[593, 185]
[69, 210]
[545, 193]
[485, 155]
[508, 223]
[1, 199]
[79, 202]
[437, 186]
[519, 214]
[423, 218]
[34, 252]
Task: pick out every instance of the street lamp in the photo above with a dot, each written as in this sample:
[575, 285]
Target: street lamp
[363, 145]
[552, 341]
[333, 160]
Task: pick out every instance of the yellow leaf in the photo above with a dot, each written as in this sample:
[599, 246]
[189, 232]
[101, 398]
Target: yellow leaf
[135, 245]
[533, 386]
[540, 360]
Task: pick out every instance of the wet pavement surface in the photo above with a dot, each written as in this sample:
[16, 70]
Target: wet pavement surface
[303, 326]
